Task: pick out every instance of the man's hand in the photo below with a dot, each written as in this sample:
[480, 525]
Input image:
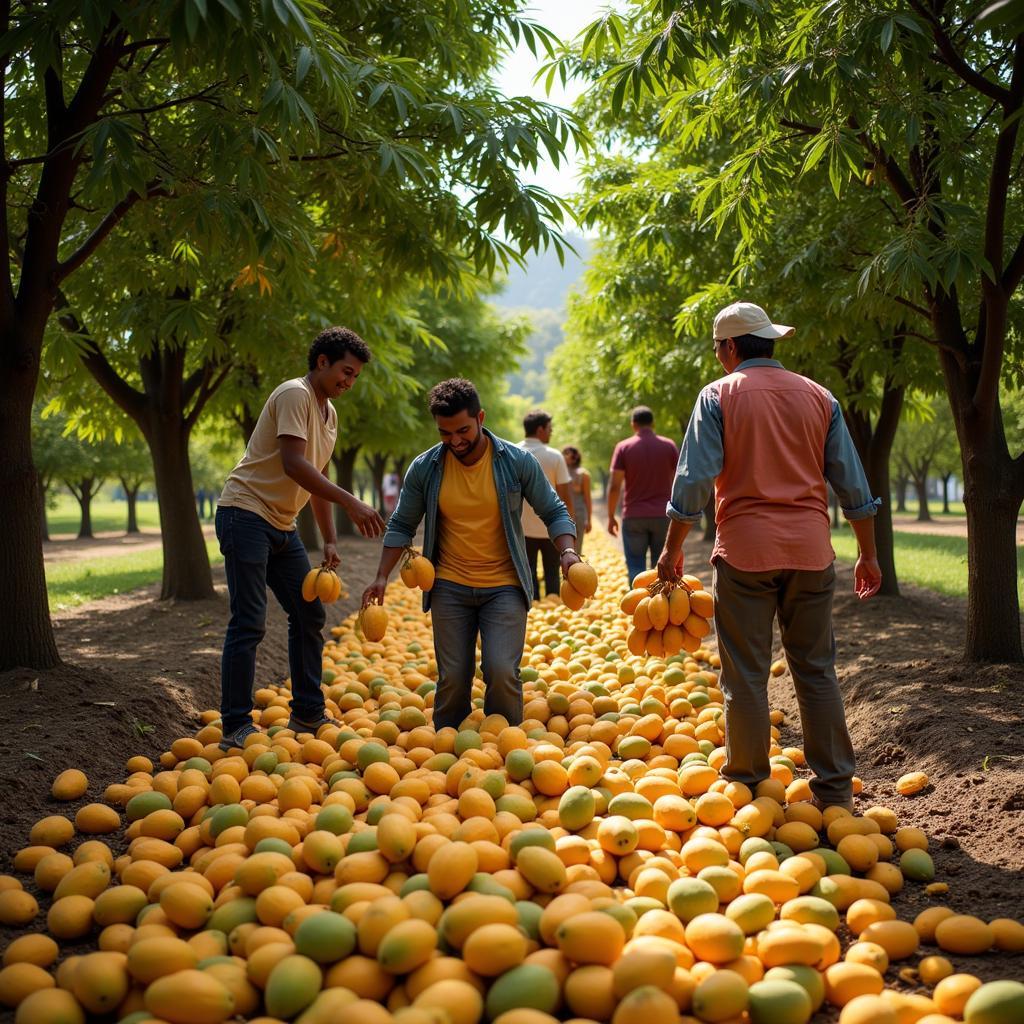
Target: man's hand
[331, 559]
[613, 526]
[365, 517]
[568, 559]
[867, 577]
[586, 529]
[670, 567]
[374, 593]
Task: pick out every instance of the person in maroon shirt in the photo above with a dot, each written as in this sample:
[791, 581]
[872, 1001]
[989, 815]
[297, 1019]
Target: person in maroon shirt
[643, 468]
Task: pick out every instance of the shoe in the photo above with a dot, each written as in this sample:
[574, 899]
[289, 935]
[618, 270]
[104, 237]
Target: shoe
[297, 725]
[238, 737]
[847, 805]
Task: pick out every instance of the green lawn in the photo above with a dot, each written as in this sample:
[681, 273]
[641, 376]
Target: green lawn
[73, 583]
[956, 509]
[939, 563]
[107, 515]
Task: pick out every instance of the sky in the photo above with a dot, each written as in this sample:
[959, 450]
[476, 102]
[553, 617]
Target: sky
[565, 18]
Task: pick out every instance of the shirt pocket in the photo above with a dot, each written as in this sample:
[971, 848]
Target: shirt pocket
[514, 498]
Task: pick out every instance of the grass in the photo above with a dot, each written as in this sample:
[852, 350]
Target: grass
[107, 515]
[956, 509]
[73, 583]
[938, 563]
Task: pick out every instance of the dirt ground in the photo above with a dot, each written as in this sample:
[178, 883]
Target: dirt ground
[67, 548]
[137, 672]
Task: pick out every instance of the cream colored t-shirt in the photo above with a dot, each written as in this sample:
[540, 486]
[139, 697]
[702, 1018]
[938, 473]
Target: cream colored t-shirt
[552, 461]
[259, 483]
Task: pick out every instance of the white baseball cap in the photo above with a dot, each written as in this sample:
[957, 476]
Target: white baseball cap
[746, 318]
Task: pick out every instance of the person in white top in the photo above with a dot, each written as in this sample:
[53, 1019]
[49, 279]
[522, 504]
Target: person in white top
[537, 428]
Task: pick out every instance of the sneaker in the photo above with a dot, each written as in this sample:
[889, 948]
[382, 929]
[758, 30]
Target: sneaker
[297, 725]
[238, 737]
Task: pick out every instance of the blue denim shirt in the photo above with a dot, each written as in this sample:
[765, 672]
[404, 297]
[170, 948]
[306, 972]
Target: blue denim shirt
[701, 454]
[517, 475]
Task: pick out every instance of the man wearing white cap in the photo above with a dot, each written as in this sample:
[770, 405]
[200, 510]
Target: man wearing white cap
[767, 440]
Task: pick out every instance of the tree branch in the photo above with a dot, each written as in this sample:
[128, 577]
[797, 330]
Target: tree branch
[1014, 272]
[206, 392]
[120, 391]
[105, 226]
[800, 126]
[956, 61]
[914, 306]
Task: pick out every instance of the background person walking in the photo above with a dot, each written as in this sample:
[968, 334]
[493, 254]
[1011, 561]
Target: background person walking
[767, 440]
[537, 428]
[579, 488]
[643, 467]
[469, 491]
[284, 467]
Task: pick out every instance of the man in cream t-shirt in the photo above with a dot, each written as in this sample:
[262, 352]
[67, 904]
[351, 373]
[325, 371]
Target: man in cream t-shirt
[537, 428]
[284, 467]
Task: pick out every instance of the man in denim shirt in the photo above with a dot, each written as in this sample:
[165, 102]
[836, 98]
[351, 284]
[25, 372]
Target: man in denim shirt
[470, 490]
[767, 440]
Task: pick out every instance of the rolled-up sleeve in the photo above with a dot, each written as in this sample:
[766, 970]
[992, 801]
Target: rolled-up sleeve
[700, 460]
[843, 470]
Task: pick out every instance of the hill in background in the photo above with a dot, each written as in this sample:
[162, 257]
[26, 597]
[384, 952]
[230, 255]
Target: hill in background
[540, 290]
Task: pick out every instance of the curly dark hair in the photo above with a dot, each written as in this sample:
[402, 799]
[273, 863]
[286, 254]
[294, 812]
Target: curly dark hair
[336, 343]
[450, 397]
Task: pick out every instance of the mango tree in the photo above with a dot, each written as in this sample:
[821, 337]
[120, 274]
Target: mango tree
[919, 99]
[225, 119]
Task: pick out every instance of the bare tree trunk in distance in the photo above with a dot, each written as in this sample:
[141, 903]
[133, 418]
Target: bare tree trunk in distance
[901, 492]
[131, 496]
[84, 489]
[344, 460]
[945, 478]
[306, 525]
[924, 514]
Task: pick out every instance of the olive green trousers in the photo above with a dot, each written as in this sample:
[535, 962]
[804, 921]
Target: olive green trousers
[746, 604]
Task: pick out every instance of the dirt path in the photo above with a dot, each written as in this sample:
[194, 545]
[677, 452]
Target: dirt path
[104, 545]
[942, 527]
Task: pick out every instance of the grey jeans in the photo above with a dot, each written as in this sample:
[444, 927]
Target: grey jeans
[746, 603]
[459, 614]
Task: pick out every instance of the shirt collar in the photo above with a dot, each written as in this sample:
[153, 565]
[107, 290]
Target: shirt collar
[533, 442]
[747, 363]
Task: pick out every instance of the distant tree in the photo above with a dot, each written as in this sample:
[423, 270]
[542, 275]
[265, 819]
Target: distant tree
[133, 466]
[921, 440]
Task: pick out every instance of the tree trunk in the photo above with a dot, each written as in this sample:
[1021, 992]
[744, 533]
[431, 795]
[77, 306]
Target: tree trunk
[186, 574]
[84, 497]
[399, 467]
[306, 525]
[874, 445]
[44, 526]
[834, 500]
[901, 493]
[946, 477]
[377, 464]
[84, 489]
[344, 460]
[993, 490]
[131, 496]
[26, 631]
[924, 514]
[710, 526]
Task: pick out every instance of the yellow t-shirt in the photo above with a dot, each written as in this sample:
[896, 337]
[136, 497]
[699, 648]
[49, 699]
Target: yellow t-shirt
[258, 483]
[472, 548]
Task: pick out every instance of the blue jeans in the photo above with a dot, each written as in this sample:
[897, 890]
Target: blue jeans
[459, 614]
[256, 556]
[640, 534]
